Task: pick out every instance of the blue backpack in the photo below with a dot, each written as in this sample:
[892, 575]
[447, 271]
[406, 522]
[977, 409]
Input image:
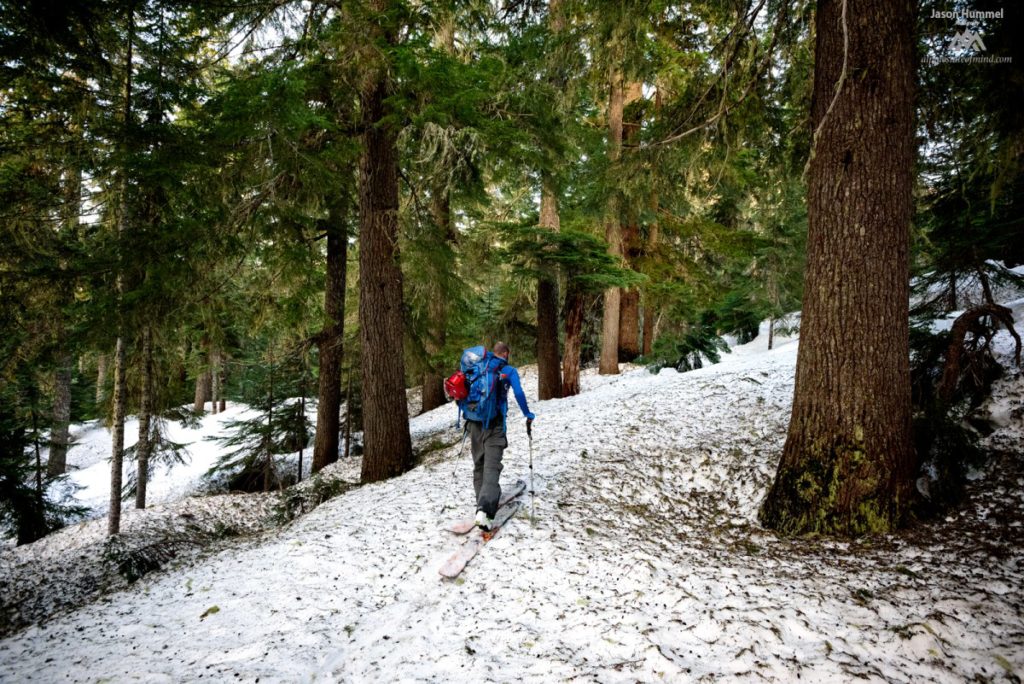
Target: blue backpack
[482, 371]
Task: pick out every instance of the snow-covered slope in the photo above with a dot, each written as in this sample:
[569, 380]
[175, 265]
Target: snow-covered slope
[645, 563]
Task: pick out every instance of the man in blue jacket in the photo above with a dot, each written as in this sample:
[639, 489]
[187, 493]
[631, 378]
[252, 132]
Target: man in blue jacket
[488, 440]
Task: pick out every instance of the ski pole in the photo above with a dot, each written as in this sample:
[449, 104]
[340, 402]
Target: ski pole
[533, 499]
[455, 468]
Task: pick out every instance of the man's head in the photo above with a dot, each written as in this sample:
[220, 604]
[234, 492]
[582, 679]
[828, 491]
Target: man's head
[501, 349]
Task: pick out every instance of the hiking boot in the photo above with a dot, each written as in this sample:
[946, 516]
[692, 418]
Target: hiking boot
[482, 521]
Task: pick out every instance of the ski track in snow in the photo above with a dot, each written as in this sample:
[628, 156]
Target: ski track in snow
[645, 564]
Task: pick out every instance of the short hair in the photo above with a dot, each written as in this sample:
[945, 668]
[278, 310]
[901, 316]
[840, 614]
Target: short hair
[501, 349]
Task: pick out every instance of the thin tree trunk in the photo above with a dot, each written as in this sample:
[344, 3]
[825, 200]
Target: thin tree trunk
[101, 379]
[268, 439]
[609, 364]
[387, 444]
[117, 449]
[848, 461]
[72, 189]
[120, 385]
[653, 236]
[56, 463]
[575, 304]
[629, 298]
[223, 401]
[28, 533]
[214, 380]
[348, 415]
[437, 326]
[432, 394]
[39, 458]
[771, 333]
[302, 422]
[145, 446]
[331, 345]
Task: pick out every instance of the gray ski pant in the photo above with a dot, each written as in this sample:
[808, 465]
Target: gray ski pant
[487, 446]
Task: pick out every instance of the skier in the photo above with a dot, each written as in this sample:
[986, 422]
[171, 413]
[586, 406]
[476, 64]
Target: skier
[487, 436]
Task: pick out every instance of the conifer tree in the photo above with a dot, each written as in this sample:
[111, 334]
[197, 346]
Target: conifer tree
[848, 460]
[388, 446]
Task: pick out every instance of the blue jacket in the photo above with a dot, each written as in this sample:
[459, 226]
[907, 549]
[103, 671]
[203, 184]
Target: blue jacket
[509, 377]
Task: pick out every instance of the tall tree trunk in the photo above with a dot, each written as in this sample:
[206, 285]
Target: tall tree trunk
[145, 446]
[650, 310]
[72, 190]
[549, 376]
[847, 464]
[432, 393]
[120, 385]
[653, 236]
[328, 409]
[629, 298]
[387, 444]
[609, 364]
[575, 305]
[437, 307]
[56, 464]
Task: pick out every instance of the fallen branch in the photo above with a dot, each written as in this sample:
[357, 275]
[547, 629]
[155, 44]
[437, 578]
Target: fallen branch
[968, 322]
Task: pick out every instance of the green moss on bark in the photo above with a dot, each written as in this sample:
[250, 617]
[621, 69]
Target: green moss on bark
[837, 490]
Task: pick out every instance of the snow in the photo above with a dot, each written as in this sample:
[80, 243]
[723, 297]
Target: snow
[89, 458]
[645, 563]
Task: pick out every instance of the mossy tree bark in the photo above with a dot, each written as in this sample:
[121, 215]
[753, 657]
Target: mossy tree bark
[387, 444]
[848, 462]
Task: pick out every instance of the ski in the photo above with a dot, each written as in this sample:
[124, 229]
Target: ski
[457, 563]
[466, 526]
